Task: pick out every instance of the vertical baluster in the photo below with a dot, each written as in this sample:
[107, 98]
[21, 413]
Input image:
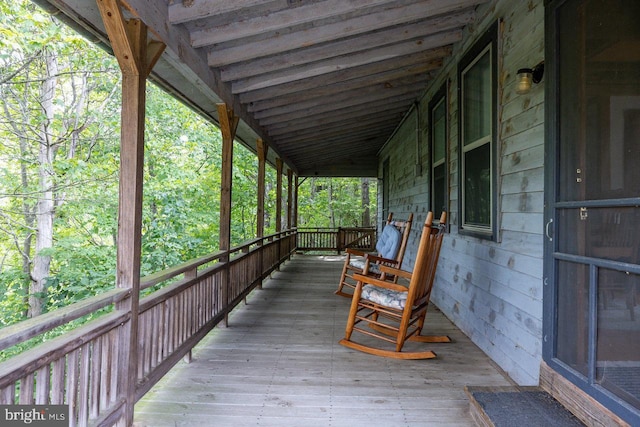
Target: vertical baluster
[155, 336]
[83, 392]
[43, 384]
[96, 366]
[72, 387]
[145, 344]
[105, 370]
[57, 382]
[115, 367]
[8, 395]
[26, 390]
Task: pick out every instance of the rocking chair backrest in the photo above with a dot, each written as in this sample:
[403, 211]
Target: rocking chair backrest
[403, 228]
[389, 242]
[424, 269]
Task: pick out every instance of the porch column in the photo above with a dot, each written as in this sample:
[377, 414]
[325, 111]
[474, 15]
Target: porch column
[289, 197]
[279, 195]
[228, 127]
[262, 159]
[136, 57]
[295, 203]
[263, 148]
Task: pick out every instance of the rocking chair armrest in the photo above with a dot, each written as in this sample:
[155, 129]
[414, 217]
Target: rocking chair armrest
[380, 260]
[396, 272]
[356, 252]
[380, 283]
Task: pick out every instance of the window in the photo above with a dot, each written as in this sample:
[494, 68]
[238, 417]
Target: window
[478, 133]
[438, 136]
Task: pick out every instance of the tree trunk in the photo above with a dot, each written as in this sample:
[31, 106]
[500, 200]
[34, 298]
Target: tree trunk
[29, 220]
[45, 205]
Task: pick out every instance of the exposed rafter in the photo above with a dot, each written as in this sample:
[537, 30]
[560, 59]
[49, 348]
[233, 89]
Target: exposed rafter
[323, 82]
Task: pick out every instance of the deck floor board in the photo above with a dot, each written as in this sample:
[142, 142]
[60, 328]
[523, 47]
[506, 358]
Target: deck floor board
[279, 364]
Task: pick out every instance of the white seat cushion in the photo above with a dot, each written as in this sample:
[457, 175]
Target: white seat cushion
[383, 296]
[359, 263]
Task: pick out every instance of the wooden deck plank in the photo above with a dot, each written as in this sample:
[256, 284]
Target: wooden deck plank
[279, 364]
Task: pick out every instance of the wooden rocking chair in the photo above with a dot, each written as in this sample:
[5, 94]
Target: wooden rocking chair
[390, 246]
[393, 312]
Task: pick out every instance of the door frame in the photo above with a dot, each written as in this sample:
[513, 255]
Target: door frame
[551, 253]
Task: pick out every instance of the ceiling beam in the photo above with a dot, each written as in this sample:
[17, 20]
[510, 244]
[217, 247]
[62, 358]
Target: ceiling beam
[300, 57]
[331, 84]
[180, 11]
[346, 131]
[353, 104]
[412, 75]
[315, 35]
[337, 143]
[281, 20]
[331, 121]
[372, 61]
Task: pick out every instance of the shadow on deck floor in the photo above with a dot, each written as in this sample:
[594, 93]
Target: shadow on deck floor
[279, 364]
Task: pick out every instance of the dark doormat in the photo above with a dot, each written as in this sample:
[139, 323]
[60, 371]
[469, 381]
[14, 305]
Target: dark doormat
[523, 408]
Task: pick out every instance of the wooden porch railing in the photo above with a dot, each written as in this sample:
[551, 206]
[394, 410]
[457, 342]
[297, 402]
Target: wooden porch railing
[80, 368]
[332, 239]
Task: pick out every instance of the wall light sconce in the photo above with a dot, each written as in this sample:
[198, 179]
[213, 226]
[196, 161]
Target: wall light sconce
[527, 76]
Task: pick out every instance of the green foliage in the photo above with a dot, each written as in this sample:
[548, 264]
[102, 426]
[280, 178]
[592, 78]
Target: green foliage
[181, 202]
[81, 164]
[333, 202]
[182, 177]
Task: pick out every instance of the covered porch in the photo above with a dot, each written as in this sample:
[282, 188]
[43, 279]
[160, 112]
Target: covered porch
[278, 363]
[368, 89]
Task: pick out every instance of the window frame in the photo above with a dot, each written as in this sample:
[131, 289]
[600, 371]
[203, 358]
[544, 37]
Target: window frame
[440, 97]
[487, 42]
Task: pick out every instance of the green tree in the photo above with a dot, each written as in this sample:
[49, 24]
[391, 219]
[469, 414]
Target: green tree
[334, 202]
[53, 93]
[182, 184]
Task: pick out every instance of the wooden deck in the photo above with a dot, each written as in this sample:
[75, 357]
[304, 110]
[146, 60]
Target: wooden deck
[279, 364]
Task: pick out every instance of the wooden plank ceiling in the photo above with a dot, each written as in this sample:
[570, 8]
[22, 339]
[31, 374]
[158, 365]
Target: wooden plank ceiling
[324, 82]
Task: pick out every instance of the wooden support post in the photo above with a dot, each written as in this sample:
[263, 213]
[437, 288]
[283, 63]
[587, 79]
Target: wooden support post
[289, 197]
[279, 205]
[228, 127]
[136, 58]
[279, 195]
[262, 160]
[295, 203]
[263, 149]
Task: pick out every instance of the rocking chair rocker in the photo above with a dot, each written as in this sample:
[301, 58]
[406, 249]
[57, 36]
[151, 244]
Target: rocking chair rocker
[390, 246]
[393, 312]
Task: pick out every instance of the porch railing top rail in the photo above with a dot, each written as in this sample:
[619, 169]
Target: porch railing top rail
[30, 328]
[27, 329]
[336, 239]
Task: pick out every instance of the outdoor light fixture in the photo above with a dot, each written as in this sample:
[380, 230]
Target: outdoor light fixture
[528, 75]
